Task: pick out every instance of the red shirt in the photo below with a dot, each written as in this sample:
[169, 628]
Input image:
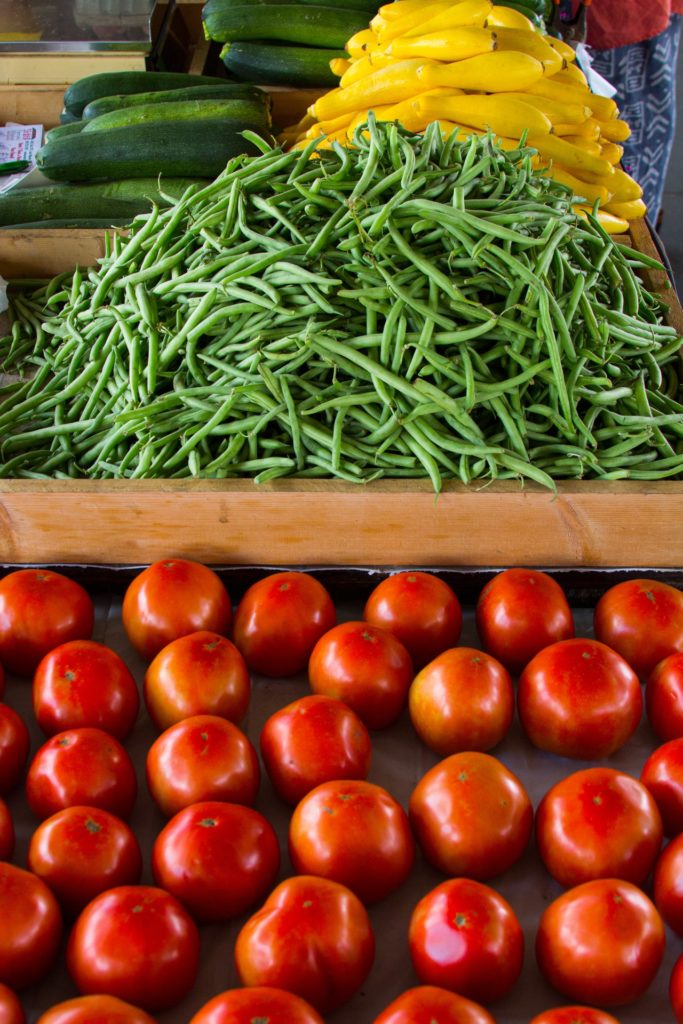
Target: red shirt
[613, 23]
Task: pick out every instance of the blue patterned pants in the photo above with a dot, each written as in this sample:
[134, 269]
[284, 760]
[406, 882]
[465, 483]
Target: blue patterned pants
[644, 75]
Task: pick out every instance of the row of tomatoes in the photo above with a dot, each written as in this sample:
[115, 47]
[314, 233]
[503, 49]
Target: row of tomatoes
[277, 626]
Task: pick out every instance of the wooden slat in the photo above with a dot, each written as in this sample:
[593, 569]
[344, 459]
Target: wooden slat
[31, 104]
[44, 252]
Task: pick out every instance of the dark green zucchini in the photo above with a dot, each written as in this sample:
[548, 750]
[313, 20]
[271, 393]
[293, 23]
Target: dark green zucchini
[189, 110]
[287, 23]
[114, 83]
[232, 90]
[62, 130]
[66, 117]
[302, 66]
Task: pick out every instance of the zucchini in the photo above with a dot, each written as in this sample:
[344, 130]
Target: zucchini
[177, 149]
[73, 128]
[233, 90]
[66, 117]
[233, 112]
[110, 83]
[301, 66]
[368, 7]
[289, 23]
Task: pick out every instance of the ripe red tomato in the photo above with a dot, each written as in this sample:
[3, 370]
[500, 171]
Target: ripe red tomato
[6, 834]
[574, 1015]
[577, 698]
[664, 698]
[83, 683]
[642, 620]
[354, 833]
[427, 1004]
[202, 758]
[95, 1010]
[40, 609]
[676, 990]
[198, 674]
[218, 859]
[11, 1011]
[81, 767]
[463, 700]
[519, 612]
[82, 851]
[14, 748]
[418, 608]
[598, 823]
[152, 924]
[27, 951]
[250, 1005]
[601, 942]
[464, 936]
[333, 947]
[280, 619]
[366, 667]
[668, 884]
[312, 740]
[471, 816]
[170, 599]
[663, 775]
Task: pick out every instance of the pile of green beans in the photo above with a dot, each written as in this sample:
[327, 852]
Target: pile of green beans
[410, 306]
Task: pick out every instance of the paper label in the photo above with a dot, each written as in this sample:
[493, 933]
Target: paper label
[18, 142]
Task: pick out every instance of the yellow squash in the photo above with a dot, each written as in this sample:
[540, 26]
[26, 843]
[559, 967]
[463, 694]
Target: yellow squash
[489, 72]
[388, 85]
[362, 44]
[613, 224]
[583, 189]
[449, 45]
[388, 30]
[614, 130]
[532, 43]
[507, 17]
[572, 157]
[339, 66]
[564, 49]
[624, 188]
[601, 106]
[467, 12]
[590, 129]
[572, 75]
[612, 152]
[504, 116]
[630, 210]
[364, 67]
[559, 113]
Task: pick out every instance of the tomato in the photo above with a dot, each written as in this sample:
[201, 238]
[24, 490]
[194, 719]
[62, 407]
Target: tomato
[354, 833]
[464, 936]
[218, 859]
[81, 767]
[83, 683]
[2, 680]
[31, 927]
[463, 700]
[471, 816]
[366, 667]
[39, 610]
[676, 990]
[312, 937]
[664, 698]
[662, 773]
[280, 619]
[418, 608]
[135, 942]
[642, 620]
[198, 674]
[6, 833]
[10, 1007]
[14, 748]
[312, 740]
[82, 851]
[427, 1004]
[574, 1015]
[170, 599]
[598, 823]
[519, 612]
[601, 942]
[577, 698]
[95, 1010]
[668, 884]
[251, 1005]
[202, 758]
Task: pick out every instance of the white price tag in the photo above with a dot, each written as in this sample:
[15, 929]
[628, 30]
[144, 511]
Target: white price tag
[18, 142]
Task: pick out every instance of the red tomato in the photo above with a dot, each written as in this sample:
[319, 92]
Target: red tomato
[463, 700]
[519, 612]
[418, 608]
[577, 698]
[170, 599]
[137, 943]
[250, 1005]
[2, 680]
[471, 816]
[312, 937]
[82, 851]
[676, 990]
[354, 833]
[31, 927]
[95, 1010]
[82, 683]
[598, 823]
[427, 1004]
[81, 767]
[218, 859]
[668, 884]
[601, 942]
[465, 937]
[6, 834]
[280, 619]
[574, 1015]
[366, 667]
[663, 775]
[664, 698]
[312, 740]
[39, 610]
[198, 674]
[642, 620]
[14, 748]
[202, 758]
[10, 1007]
